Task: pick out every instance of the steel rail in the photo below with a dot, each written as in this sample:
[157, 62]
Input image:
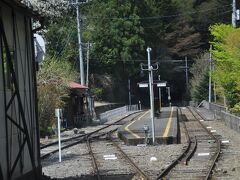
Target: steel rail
[190, 153]
[130, 161]
[209, 173]
[84, 135]
[94, 161]
[186, 155]
[165, 171]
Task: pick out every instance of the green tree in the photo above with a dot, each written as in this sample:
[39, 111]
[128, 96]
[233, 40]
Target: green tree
[226, 53]
[61, 38]
[115, 29]
[200, 75]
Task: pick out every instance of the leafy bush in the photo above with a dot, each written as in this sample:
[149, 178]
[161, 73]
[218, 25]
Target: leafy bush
[97, 92]
[226, 40]
[53, 79]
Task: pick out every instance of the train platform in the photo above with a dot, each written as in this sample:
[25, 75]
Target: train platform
[166, 128]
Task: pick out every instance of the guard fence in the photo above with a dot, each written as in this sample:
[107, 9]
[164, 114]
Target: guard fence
[106, 116]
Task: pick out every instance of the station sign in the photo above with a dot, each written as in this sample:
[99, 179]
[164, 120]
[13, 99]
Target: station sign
[143, 85]
[162, 84]
[159, 84]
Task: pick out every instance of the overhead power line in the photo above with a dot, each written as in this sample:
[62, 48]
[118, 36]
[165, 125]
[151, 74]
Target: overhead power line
[156, 17]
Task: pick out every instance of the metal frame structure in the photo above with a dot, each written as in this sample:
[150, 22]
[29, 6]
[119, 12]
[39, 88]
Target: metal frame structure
[17, 78]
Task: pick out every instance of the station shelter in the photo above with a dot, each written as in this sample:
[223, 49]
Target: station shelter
[80, 107]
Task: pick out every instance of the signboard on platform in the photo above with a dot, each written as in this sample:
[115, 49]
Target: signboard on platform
[159, 84]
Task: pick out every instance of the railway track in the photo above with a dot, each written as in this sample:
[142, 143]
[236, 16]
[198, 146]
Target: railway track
[121, 163]
[51, 148]
[200, 156]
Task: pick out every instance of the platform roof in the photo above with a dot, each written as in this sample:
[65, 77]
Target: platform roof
[74, 85]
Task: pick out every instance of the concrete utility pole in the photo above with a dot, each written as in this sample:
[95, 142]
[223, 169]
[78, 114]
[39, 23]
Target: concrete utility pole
[210, 76]
[129, 92]
[169, 96]
[82, 78]
[88, 55]
[150, 76]
[234, 19]
[150, 84]
[186, 71]
[160, 95]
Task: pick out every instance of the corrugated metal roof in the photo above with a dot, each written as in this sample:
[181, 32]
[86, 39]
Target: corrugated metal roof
[74, 85]
[18, 4]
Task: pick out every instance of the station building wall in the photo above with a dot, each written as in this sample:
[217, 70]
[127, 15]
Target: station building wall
[19, 134]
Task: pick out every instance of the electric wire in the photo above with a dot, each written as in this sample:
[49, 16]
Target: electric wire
[156, 17]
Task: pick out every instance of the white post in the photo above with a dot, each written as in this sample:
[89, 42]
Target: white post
[57, 113]
[150, 75]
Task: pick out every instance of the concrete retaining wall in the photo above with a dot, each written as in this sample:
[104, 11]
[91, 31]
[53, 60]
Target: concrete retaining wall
[230, 120]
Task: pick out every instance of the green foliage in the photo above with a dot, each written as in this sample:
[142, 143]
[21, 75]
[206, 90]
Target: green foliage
[116, 31]
[199, 81]
[121, 31]
[61, 38]
[236, 109]
[53, 79]
[97, 92]
[200, 91]
[227, 54]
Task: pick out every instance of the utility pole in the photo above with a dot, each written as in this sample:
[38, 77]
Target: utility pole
[214, 84]
[150, 77]
[88, 55]
[214, 92]
[234, 13]
[129, 92]
[160, 95]
[186, 71]
[169, 96]
[82, 79]
[210, 76]
[151, 96]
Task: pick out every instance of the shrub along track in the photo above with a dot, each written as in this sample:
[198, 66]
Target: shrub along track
[200, 156]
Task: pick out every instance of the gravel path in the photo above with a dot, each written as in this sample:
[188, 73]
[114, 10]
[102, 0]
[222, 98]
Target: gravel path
[109, 159]
[228, 166]
[75, 162]
[151, 159]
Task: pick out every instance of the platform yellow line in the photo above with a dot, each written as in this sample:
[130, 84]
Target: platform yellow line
[127, 127]
[165, 134]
